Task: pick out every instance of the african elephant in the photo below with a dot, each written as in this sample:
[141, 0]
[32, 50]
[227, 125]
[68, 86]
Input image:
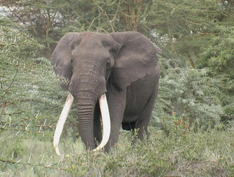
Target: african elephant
[124, 67]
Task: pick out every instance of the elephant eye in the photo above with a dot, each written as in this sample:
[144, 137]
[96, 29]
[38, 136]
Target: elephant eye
[112, 51]
[72, 47]
[71, 60]
[108, 64]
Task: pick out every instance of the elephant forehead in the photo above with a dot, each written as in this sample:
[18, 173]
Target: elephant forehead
[94, 45]
[96, 39]
[90, 51]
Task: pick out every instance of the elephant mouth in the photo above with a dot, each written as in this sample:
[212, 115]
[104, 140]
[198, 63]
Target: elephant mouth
[63, 116]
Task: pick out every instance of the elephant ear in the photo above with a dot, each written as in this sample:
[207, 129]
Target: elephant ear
[61, 58]
[135, 59]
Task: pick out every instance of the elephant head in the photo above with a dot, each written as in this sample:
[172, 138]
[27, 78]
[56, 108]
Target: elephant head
[92, 63]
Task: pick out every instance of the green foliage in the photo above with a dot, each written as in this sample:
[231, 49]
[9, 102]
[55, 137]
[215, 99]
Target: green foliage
[219, 55]
[184, 27]
[26, 84]
[189, 92]
[30, 98]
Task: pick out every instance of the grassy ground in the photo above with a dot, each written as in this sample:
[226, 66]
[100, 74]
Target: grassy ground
[182, 153]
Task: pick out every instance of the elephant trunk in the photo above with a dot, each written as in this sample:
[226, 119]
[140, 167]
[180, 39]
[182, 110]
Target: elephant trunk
[85, 114]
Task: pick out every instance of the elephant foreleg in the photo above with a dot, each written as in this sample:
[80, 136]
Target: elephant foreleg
[117, 103]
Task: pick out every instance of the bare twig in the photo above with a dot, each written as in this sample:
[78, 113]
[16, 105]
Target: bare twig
[44, 126]
[30, 164]
[13, 79]
[113, 30]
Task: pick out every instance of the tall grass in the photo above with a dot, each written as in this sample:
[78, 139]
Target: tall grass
[182, 153]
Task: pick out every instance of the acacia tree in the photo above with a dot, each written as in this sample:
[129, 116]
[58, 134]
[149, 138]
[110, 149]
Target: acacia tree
[184, 27]
[48, 20]
[41, 18]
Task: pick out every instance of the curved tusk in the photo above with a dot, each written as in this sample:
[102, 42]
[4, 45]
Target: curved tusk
[105, 120]
[61, 122]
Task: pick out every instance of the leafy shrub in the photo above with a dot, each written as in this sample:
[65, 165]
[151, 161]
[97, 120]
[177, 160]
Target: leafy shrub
[218, 57]
[190, 93]
[28, 84]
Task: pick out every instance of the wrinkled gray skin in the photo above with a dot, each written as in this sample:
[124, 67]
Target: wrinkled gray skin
[124, 65]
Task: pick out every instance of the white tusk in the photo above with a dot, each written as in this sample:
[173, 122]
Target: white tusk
[105, 120]
[61, 122]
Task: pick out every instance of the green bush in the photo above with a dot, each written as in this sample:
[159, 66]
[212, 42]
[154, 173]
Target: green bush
[218, 57]
[28, 83]
[190, 93]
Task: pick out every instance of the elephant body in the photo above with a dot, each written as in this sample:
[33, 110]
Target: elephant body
[140, 99]
[124, 66]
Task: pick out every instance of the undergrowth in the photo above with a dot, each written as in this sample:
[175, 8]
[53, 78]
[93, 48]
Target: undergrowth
[182, 153]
